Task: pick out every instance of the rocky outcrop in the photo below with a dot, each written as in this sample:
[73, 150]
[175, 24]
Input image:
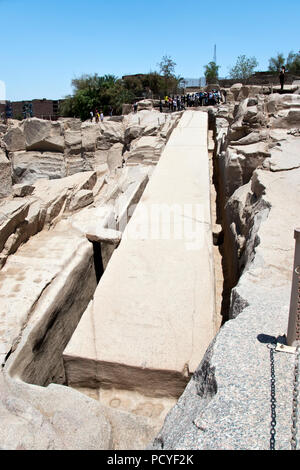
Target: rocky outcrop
[227, 403]
[35, 418]
[60, 418]
[5, 175]
[30, 166]
[43, 135]
[22, 190]
[42, 159]
[12, 214]
[34, 206]
[83, 198]
[267, 147]
[14, 140]
[36, 148]
[43, 303]
[76, 186]
[60, 223]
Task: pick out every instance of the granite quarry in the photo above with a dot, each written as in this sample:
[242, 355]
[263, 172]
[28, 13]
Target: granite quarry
[111, 338]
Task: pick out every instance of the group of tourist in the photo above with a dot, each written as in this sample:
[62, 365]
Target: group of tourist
[98, 116]
[202, 98]
[176, 103]
[206, 98]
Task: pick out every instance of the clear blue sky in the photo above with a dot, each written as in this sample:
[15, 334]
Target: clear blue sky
[44, 44]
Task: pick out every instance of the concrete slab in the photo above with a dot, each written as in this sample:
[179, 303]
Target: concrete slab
[151, 318]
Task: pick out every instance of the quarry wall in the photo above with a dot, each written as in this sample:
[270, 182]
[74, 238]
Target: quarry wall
[98, 177]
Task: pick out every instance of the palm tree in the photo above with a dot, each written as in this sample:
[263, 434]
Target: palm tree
[211, 72]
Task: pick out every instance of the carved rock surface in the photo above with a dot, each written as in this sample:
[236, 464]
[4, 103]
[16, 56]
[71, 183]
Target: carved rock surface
[14, 140]
[5, 175]
[226, 405]
[36, 418]
[30, 166]
[43, 135]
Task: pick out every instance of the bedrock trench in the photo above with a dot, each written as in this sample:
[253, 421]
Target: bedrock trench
[39, 358]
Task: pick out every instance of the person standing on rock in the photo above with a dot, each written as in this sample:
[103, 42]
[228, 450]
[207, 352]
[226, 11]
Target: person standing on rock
[282, 77]
[101, 116]
[91, 115]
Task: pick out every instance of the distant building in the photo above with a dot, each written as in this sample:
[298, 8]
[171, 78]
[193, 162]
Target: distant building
[43, 109]
[137, 75]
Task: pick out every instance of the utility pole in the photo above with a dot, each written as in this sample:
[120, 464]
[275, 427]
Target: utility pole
[215, 54]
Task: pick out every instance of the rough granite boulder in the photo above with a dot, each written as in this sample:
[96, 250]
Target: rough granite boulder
[83, 198]
[144, 150]
[27, 167]
[235, 90]
[90, 135]
[3, 129]
[14, 140]
[277, 102]
[72, 124]
[43, 135]
[115, 157]
[22, 190]
[56, 417]
[145, 104]
[12, 214]
[5, 176]
[112, 132]
[133, 132]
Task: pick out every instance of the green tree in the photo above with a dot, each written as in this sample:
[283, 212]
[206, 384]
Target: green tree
[135, 85]
[243, 68]
[291, 63]
[211, 72]
[275, 63]
[153, 82]
[170, 82]
[167, 66]
[92, 92]
[117, 96]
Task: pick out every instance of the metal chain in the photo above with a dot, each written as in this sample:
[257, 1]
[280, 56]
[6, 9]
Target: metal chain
[273, 398]
[272, 347]
[296, 371]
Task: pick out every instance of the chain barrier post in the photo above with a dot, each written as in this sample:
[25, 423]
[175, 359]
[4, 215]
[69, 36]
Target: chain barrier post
[293, 346]
[293, 336]
[293, 333]
[273, 398]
